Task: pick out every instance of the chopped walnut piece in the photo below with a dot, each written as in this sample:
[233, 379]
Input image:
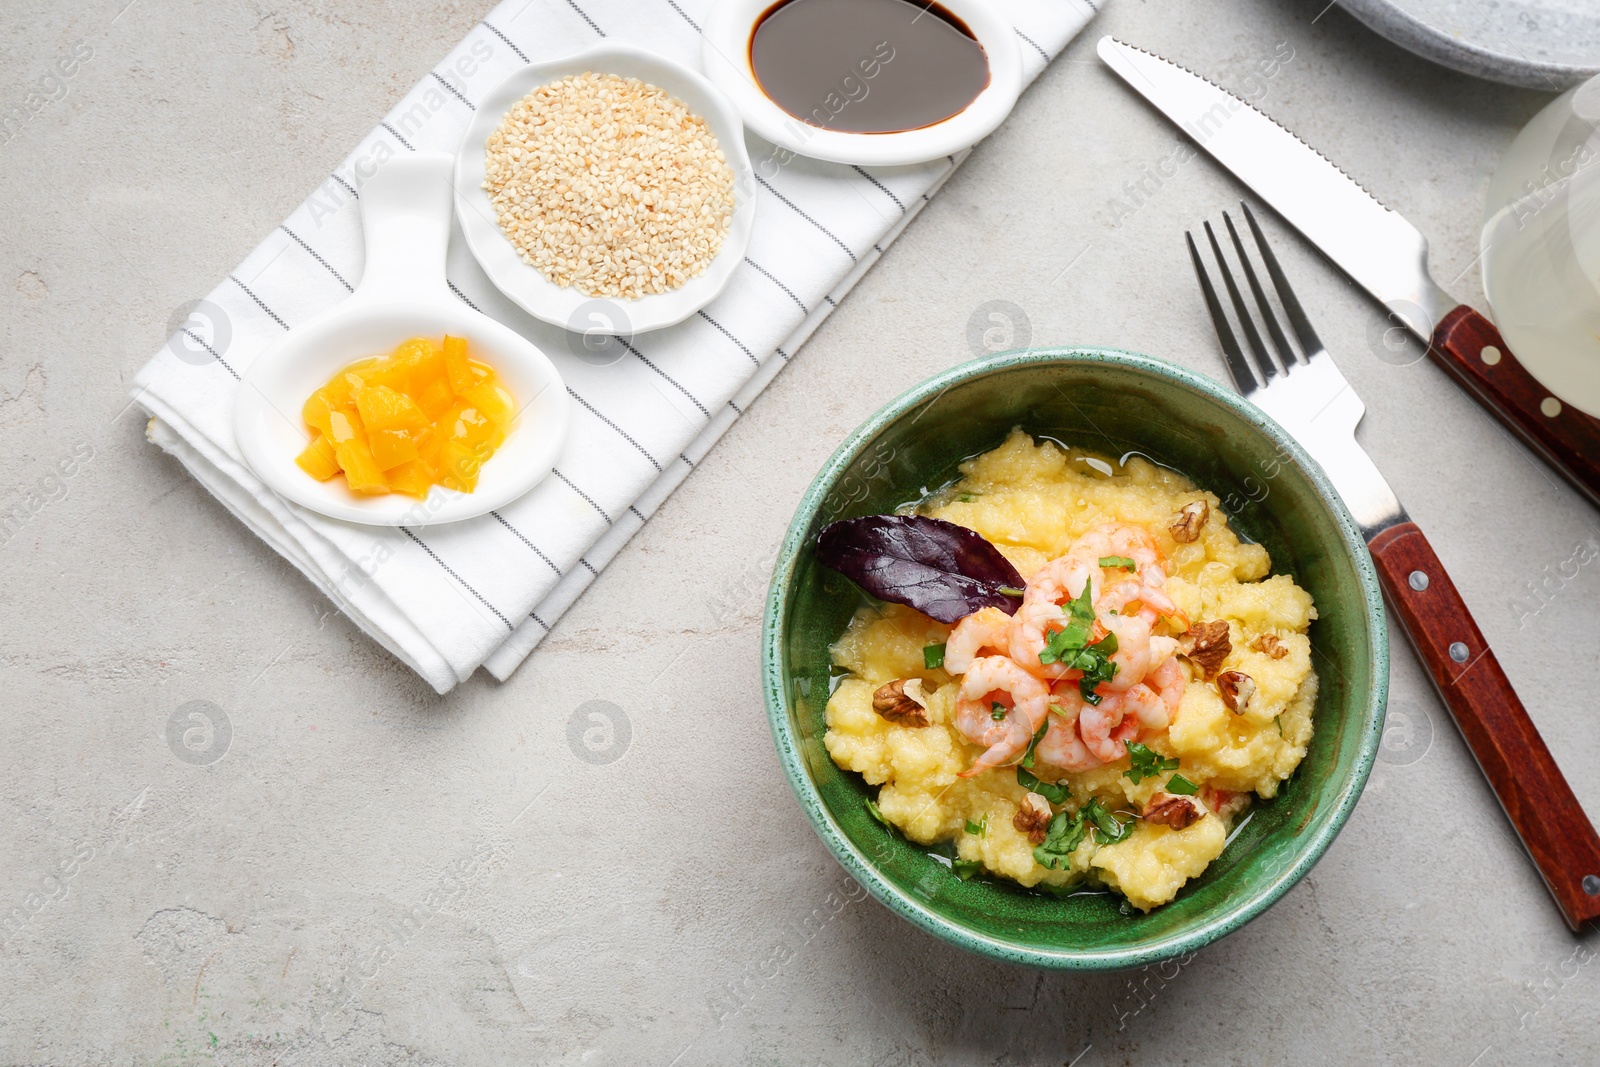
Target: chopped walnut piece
[902, 702]
[1271, 645]
[1180, 813]
[1190, 520]
[1033, 818]
[1237, 689]
[1207, 644]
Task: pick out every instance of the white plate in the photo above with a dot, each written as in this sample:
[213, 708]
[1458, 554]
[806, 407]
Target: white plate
[567, 307]
[405, 211]
[1537, 44]
[725, 57]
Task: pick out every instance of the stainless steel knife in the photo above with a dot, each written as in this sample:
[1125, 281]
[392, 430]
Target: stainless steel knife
[1376, 247]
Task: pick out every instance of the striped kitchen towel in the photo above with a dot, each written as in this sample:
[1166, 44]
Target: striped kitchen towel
[447, 599]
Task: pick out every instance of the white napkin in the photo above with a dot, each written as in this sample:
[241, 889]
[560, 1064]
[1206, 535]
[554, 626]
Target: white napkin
[445, 599]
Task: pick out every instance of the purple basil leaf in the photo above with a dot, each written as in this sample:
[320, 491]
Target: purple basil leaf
[943, 570]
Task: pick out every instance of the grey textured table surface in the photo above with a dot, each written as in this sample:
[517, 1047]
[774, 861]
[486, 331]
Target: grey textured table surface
[371, 874]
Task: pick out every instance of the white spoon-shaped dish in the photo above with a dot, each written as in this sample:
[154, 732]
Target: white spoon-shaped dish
[567, 307]
[405, 212]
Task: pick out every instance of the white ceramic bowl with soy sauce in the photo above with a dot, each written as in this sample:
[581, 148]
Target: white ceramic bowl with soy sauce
[866, 82]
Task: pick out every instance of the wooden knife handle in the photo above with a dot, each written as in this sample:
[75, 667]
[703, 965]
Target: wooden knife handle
[1531, 788]
[1468, 346]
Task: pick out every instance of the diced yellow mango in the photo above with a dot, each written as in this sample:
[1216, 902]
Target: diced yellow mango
[459, 466]
[318, 459]
[316, 411]
[412, 479]
[360, 468]
[390, 448]
[382, 408]
[341, 427]
[456, 364]
[426, 414]
[493, 400]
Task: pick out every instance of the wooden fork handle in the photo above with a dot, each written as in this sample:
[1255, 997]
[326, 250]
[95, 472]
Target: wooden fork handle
[1536, 797]
[1469, 347]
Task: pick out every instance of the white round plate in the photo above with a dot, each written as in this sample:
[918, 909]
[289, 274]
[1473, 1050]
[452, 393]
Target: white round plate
[1537, 44]
[405, 210]
[725, 57]
[567, 307]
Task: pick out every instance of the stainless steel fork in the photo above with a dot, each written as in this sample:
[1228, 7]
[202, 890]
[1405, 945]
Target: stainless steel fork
[1304, 391]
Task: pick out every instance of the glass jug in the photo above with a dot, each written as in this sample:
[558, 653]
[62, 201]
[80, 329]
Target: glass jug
[1541, 247]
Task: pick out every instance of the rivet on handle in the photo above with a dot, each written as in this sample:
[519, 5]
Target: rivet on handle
[1417, 580]
[1490, 355]
[1458, 652]
[1550, 406]
[1591, 885]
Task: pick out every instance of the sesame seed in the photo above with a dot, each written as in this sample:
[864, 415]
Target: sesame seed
[609, 185]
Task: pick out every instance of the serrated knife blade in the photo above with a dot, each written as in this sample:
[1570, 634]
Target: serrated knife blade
[1385, 254]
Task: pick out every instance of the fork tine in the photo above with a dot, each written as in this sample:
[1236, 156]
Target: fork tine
[1233, 356]
[1297, 314]
[1274, 327]
[1269, 370]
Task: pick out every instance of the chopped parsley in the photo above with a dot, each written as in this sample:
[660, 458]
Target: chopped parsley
[965, 869]
[1279, 720]
[1027, 757]
[997, 710]
[1178, 785]
[1147, 763]
[933, 656]
[980, 828]
[873, 810]
[1119, 561]
[1065, 833]
[1108, 827]
[1055, 794]
[967, 498]
[1071, 648]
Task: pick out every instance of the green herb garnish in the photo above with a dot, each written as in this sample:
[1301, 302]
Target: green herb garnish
[1147, 763]
[1055, 794]
[1119, 561]
[1011, 590]
[980, 828]
[967, 498]
[933, 656]
[1279, 720]
[1065, 833]
[1178, 785]
[873, 810]
[1027, 757]
[1070, 647]
[1108, 827]
[997, 710]
[965, 869]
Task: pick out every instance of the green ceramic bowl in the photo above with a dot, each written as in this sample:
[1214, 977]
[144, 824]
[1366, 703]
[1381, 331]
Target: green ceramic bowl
[1114, 402]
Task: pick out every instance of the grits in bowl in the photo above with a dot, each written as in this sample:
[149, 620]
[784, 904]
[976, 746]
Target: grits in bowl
[1174, 667]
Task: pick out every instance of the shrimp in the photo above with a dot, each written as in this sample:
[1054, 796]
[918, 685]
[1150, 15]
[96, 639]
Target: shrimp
[1107, 726]
[1169, 681]
[986, 628]
[1132, 657]
[1030, 630]
[1061, 746]
[1152, 604]
[1060, 580]
[1023, 699]
[1122, 539]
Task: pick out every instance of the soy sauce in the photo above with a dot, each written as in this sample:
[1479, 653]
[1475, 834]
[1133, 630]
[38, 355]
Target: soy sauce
[867, 66]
